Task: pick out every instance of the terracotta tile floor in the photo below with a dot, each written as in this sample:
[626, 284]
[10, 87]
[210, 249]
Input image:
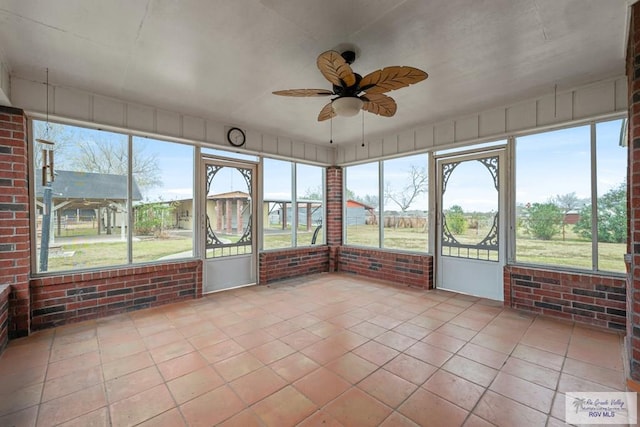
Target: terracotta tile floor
[325, 350]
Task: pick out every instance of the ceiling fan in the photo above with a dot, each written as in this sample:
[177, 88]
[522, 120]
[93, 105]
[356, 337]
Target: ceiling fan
[354, 92]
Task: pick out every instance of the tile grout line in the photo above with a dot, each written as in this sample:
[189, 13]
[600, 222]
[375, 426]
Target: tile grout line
[338, 301]
[46, 373]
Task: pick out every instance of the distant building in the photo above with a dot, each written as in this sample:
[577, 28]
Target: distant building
[74, 193]
[227, 210]
[571, 218]
[359, 213]
[279, 212]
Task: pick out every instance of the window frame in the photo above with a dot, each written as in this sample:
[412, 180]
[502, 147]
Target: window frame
[129, 135]
[593, 194]
[294, 203]
[381, 205]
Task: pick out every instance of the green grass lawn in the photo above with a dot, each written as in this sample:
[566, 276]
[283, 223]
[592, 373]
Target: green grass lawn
[409, 239]
[88, 255]
[278, 240]
[572, 252]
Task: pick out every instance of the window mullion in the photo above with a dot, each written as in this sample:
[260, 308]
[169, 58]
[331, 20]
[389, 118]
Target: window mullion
[294, 206]
[129, 200]
[380, 204]
[324, 206]
[434, 204]
[594, 200]
[511, 200]
[345, 220]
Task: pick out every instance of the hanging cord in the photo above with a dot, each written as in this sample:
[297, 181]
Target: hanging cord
[331, 129]
[46, 131]
[362, 128]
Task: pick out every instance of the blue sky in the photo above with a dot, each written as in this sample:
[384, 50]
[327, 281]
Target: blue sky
[277, 182]
[558, 163]
[547, 164]
[176, 163]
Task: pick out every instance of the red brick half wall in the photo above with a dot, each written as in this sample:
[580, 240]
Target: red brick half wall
[288, 263]
[5, 290]
[57, 300]
[400, 268]
[586, 298]
[15, 240]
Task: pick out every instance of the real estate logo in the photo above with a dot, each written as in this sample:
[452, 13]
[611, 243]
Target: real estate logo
[601, 408]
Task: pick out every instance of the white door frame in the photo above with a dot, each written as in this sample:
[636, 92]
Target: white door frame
[232, 271]
[466, 275]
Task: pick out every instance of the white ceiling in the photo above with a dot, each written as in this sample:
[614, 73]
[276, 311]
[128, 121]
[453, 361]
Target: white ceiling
[221, 59]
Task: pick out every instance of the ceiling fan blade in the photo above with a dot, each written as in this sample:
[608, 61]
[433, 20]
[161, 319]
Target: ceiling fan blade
[326, 113]
[303, 92]
[379, 104]
[335, 69]
[391, 78]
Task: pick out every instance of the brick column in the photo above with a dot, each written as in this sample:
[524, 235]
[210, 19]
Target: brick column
[333, 222]
[633, 236]
[14, 218]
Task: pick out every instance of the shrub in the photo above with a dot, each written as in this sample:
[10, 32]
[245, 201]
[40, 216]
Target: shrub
[612, 217]
[153, 218]
[456, 221]
[543, 220]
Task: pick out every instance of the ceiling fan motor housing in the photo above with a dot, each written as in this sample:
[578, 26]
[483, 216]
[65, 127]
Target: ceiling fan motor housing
[349, 56]
[352, 90]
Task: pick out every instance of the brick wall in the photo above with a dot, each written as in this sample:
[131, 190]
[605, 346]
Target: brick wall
[5, 291]
[14, 218]
[294, 262]
[333, 221]
[62, 299]
[406, 269]
[587, 298]
[633, 218]
[400, 268]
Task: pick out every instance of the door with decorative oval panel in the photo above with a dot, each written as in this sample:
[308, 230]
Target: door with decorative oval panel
[471, 224]
[229, 224]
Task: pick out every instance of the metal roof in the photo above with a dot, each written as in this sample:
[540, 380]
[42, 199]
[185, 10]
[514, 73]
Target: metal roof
[89, 186]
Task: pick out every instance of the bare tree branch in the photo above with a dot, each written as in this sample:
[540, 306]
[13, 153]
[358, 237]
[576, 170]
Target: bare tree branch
[62, 137]
[109, 156]
[416, 185]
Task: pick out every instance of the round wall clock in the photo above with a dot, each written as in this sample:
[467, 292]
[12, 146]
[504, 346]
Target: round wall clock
[236, 137]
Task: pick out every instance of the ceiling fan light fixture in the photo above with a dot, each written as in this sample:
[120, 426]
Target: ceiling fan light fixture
[347, 106]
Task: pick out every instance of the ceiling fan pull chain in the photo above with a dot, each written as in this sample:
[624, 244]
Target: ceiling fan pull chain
[363, 128]
[331, 130]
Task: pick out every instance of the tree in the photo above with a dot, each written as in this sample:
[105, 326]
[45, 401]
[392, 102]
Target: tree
[543, 220]
[349, 194]
[314, 193]
[153, 218]
[612, 217]
[369, 200]
[416, 184]
[62, 137]
[566, 203]
[456, 222]
[107, 156]
[94, 151]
